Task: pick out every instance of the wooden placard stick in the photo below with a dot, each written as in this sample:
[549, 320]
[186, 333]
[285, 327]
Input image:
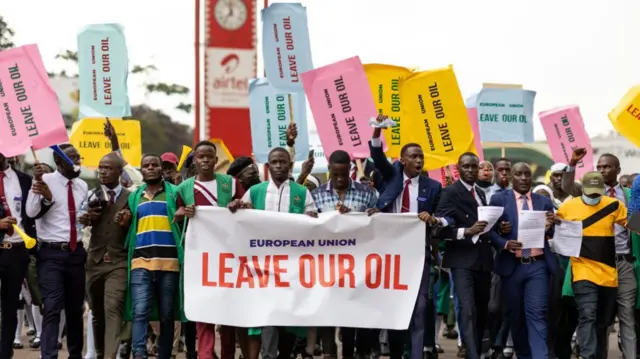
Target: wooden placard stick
[360, 168]
[35, 156]
[292, 150]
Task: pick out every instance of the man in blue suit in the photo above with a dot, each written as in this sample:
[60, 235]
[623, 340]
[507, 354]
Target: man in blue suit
[524, 272]
[407, 190]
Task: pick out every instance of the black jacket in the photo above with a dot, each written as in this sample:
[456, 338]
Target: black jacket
[458, 204]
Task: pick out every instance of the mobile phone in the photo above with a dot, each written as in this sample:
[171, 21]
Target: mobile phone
[311, 153]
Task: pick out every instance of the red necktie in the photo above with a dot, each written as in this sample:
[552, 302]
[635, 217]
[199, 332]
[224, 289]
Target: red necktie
[353, 175]
[473, 193]
[112, 197]
[612, 192]
[3, 202]
[406, 205]
[73, 242]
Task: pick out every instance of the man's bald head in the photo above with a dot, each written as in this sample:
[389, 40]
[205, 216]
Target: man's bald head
[114, 159]
[520, 166]
[110, 170]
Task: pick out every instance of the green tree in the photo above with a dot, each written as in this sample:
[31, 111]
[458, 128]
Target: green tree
[159, 132]
[6, 35]
[169, 89]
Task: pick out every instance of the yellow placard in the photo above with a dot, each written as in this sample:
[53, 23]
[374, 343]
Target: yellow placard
[384, 81]
[87, 135]
[186, 150]
[224, 156]
[435, 117]
[625, 117]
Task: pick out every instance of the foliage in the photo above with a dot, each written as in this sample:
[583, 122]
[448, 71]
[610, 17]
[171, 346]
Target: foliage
[68, 55]
[160, 133]
[6, 35]
[160, 87]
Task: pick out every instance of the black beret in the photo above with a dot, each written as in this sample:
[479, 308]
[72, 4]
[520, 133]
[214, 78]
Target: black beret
[238, 165]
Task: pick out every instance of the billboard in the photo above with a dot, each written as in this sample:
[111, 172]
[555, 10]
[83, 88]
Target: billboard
[230, 61]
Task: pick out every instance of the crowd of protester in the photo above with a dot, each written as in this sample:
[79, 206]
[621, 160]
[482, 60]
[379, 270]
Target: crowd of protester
[117, 252]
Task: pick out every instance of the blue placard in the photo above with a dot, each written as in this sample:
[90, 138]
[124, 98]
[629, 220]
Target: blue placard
[285, 45]
[104, 66]
[269, 112]
[505, 115]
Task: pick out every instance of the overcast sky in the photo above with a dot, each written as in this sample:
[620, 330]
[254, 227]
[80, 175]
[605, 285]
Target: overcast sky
[569, 51]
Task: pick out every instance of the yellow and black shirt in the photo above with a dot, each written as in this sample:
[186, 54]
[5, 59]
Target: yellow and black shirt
[597, 261]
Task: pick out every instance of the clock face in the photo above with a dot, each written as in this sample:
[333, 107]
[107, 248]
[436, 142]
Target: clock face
[230, 14]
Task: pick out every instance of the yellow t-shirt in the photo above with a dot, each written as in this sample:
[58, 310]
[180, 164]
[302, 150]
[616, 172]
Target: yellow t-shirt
[597, 240]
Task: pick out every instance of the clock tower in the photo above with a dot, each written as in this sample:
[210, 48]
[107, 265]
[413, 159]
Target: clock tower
[230, 61]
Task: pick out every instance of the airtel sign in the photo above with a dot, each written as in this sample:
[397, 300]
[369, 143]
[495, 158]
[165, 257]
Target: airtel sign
[228, 74]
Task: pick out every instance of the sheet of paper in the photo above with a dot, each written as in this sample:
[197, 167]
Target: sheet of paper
[531, 228]
[567, 238]
[490, 214]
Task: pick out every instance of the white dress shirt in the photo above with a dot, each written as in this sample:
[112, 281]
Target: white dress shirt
[278, 198]
[13, 192]
[116, 191]
[55, 225]
[460, 234]
[414, 186]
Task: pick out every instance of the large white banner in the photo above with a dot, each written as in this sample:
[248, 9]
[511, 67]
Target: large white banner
[257, 268]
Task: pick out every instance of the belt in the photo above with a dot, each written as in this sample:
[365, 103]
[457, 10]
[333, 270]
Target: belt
[63, 246]
[10, 245]
[624, 257]
[530, 260]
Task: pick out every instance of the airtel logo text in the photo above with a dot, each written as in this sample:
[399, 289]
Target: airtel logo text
[229, 81]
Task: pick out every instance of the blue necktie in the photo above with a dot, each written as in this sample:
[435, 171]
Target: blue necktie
[526, 253]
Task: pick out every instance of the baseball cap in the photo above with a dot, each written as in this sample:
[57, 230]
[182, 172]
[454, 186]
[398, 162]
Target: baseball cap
[593, 183]
[558, 167]
[169, 157]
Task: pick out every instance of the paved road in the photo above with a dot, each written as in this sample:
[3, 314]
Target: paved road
[449, 346]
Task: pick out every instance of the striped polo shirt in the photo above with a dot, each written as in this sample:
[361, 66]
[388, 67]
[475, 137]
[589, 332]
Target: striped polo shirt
[155, 245]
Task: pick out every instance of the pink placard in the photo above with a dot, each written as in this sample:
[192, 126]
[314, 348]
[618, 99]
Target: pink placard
[565, 131]
[440, 174]
[28, 102]
[475, 127]
[341, 103]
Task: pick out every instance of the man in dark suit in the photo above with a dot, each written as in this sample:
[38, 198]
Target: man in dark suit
[406, 190]
[371, 174]
[107, 257]
[470, 257]
[14, 257]
[524, 272]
